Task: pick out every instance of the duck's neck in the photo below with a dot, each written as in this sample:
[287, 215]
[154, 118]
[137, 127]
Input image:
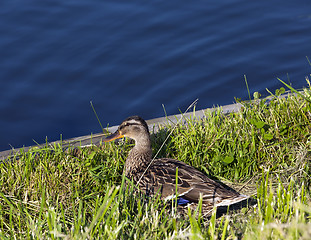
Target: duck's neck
[139, 158]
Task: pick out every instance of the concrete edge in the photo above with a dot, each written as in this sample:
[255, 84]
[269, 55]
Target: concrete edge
[154, 125]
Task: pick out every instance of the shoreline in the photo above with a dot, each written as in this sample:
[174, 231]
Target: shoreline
[153, 124]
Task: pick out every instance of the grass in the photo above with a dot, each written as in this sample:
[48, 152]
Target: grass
[263, 150]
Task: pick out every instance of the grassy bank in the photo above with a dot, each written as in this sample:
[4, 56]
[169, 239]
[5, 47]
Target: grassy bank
[263, 150]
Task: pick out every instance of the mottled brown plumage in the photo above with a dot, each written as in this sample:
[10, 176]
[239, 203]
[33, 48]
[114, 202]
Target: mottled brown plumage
[159, 175]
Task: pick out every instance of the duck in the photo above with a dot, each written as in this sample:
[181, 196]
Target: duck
[159, 175]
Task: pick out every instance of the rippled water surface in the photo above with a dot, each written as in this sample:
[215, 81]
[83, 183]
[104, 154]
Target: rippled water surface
[130, 57]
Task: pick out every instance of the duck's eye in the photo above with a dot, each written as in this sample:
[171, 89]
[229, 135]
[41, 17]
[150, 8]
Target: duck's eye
[136, 129]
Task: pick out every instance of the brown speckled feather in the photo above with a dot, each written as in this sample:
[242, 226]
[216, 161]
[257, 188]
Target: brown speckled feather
[161, 176]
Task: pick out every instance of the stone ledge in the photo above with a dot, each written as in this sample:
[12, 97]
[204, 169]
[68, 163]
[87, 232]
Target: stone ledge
[95, 139]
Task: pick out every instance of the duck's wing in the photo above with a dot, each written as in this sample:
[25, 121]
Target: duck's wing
[191, 184]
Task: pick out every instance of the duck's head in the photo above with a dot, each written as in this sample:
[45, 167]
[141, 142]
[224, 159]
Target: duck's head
[133, 127]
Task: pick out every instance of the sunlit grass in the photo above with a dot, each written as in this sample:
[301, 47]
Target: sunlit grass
[263, 151]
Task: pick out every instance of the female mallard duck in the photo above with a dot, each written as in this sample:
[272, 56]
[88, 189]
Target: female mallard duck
[159, 175]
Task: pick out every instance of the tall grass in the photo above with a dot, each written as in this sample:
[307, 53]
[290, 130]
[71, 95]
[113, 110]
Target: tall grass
[263, 150]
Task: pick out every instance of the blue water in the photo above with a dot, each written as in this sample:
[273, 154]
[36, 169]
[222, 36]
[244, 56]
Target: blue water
[130, 57]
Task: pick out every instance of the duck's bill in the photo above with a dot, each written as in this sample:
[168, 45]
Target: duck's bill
[113, 136]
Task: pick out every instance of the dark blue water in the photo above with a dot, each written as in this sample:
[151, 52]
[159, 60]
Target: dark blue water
[130, 57]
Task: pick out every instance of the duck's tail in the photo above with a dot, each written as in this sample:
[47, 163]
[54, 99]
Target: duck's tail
[230, 201]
